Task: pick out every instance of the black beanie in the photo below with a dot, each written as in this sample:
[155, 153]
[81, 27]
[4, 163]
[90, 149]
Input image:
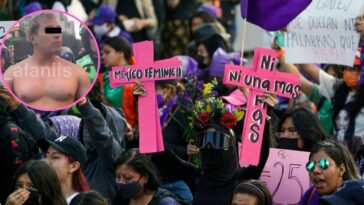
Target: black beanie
[213, 43]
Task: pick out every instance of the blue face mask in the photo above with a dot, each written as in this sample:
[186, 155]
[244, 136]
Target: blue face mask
[130, 190]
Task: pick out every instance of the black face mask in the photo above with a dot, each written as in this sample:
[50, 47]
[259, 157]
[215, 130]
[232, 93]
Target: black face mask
[200, 64]
[130, 190]
[212, 159]
[33, 198]
[284, 143]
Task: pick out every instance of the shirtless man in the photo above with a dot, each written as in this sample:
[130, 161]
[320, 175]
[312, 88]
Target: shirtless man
[45, 80]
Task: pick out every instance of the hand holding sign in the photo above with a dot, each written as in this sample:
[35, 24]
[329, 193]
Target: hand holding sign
[147, 71]
[270, 98]
[261, 78]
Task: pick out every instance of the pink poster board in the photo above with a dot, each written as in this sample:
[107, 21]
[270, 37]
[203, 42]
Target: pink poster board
[146, 70]
[260, 78]
[286, 176]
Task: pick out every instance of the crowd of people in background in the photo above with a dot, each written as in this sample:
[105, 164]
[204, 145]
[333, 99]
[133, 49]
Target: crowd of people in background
[88, 153]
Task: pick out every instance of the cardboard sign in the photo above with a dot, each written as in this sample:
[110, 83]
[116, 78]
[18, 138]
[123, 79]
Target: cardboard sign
[4, 27]
[324, 33]
[286, 176]
[147, 71]
[260, 78]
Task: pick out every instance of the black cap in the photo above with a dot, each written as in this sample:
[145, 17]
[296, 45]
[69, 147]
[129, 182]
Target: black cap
[66, 145]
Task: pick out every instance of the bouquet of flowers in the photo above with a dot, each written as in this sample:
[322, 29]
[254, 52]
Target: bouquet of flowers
[201, 106]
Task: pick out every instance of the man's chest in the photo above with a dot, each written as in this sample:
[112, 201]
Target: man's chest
[32, 88]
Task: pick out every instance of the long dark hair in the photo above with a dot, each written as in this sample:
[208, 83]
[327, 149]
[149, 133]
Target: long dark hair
[120, 45]
[353, 108]
[45, 180]
[141, 164]
[306, 125]
[341, 155]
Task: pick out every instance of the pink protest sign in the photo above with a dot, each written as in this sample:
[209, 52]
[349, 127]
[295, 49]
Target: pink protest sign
[260, 78]
[285, 172]
[147, 71]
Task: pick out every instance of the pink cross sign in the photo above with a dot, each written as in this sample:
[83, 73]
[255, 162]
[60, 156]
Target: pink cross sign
[147, 70]
[259, 79]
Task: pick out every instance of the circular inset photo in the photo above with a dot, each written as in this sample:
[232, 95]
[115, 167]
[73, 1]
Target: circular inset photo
[51, 60]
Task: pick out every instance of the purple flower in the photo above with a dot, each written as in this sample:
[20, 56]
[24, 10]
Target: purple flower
[199, 86]
[215, 93]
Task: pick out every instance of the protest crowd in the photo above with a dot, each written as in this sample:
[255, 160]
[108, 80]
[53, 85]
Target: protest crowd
[94, 153]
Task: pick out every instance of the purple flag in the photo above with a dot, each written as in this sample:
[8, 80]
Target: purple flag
[272, 15]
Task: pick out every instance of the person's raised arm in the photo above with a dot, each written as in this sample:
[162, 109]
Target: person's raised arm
[150, 20]
[306, 85]
[312, 70]
[98, 131]
[187, 171]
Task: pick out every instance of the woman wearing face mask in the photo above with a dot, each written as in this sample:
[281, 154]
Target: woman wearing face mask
[299, 129]
[207, 42]
[347, 93]
[137, 180]
[166, 98]
[330, 164]
[36, 183]
[104, 25]
[67, 156]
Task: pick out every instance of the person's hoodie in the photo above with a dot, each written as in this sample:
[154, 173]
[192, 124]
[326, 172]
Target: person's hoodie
[101, 131]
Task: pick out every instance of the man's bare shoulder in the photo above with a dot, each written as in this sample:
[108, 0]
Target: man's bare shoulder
[76, 68]
[69, 64]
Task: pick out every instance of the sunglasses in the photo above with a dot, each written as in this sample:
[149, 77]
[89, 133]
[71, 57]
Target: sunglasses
[323, 163]
[217, 140]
